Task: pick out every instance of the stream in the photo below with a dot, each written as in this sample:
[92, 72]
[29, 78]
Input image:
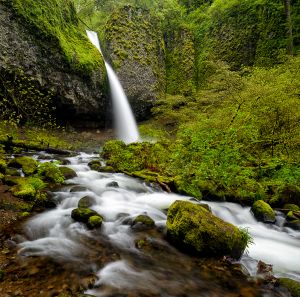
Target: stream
[132, 262]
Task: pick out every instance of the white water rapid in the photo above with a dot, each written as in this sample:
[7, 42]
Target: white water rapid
[145, 261]
[125, 123]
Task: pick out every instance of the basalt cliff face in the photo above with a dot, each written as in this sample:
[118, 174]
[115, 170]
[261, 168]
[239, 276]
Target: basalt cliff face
[135, 46]
[73, 73]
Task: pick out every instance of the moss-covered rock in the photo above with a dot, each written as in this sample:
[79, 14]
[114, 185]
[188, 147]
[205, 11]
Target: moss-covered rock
[95, 165]
[67, 172]
[142, 222]
[289, 194]
[11, 180]
[263, 212]
[292, 285]
[83, 214]
[86, 201]
[194, 229]
[12, 171]
[50, 172]
[28, 164]
[3, 166]
[292, 207]
[94, 222]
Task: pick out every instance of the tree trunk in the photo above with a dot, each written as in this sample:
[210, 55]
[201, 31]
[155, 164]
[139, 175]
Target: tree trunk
[287, 10]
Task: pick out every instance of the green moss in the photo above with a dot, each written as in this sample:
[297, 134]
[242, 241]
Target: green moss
[292, 285]
[83, 214]
[194, 229]
[28, 164]
[3, 166]
[25, 214]
[292, 207]
[144, 220]
[263, 211]
[2, 274]
[24, 190]
[12, 172]
[94, 222]
[57, 21]
[291, 217]
[50, 172]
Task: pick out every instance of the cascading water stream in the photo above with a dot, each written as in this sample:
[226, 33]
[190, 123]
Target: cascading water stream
[125, 123]
[152, 265]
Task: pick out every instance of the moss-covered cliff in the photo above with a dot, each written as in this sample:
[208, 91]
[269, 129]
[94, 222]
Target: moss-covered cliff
[43, 40]
[134, 44]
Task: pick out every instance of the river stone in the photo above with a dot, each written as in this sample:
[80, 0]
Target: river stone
[83, 214]
[142, 222]
[67, 172]
[94, 222]
[86, 201]
[113, 184]
[263, 212]
[95, 165]
[193, 229]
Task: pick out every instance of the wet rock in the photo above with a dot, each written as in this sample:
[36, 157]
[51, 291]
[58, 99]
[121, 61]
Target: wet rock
[28, 164]
[12, 180]
[194, 229]
[67, 172]
[95, 165]
[263, 212]
[78, 189]
[113, 184]
[50, 172]
[3, 166]
[94, 222]
[142, 222]
[108, 169]
[83, 214]
[12, 171]
[86, 201]
[293, 207]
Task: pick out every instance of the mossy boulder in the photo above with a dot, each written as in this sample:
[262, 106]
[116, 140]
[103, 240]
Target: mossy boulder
[82, 215]
[292, 207]
[94, 222]
[3, 166]
[194, 229]
[28, 188]
[29, 165]
[292, 285]
[288, 194]
[86, 201]
[50, 172]
[12, 180]
[95, 165]
[67, 172]
[263, 212]
[142, 222]
[108, 169]
[12, 171]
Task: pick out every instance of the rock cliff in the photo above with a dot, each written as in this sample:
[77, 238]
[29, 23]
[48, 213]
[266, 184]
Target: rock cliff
[45, 42]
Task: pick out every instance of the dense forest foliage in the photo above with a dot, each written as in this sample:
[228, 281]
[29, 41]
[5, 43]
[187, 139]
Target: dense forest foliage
[227, 121]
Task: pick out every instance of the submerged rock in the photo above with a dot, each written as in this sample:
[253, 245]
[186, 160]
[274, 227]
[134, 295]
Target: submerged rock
[263, 212]
[194, 229]
[113, 184]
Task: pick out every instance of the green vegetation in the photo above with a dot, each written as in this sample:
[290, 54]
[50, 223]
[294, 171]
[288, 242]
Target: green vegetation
[263, 212]
[57, 21]
[292, 285]
[28, 164]
[193, 228]
[50, 173]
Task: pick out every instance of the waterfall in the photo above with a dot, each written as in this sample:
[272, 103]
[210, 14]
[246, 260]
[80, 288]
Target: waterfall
[125, 123]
